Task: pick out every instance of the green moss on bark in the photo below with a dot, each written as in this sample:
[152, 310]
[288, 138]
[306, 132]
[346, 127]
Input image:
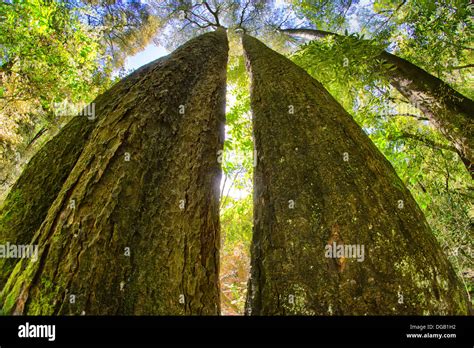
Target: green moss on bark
[142, 159]
[302, 136]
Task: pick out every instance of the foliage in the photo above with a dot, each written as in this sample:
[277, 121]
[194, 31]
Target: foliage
[435, 35]
[236, 198]
[47, 56]
[325, 14]
[59, 53]
[125, 27]
[236, 226]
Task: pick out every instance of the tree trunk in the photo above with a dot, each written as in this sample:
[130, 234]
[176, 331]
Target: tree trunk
[449, 111]
[321, 185]
[37, 187]
[135, 229]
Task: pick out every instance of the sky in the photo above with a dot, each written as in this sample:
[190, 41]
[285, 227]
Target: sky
[150, 53]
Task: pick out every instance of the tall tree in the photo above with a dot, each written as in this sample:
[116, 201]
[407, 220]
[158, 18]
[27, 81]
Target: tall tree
[31, 196]
[335, 229]
[135, 229]
[448, 110]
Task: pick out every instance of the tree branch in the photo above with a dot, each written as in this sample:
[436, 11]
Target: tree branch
[425, 141]
[420, 118]
[241, 22]
[215, 13]
[462, 67]
[391, 15]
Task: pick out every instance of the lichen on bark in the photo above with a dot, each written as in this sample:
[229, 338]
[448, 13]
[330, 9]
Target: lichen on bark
[37, 187]
[319, 180]
[134, 228]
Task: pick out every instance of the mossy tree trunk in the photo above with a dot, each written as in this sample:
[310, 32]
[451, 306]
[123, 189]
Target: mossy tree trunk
[135, 229]
[30, 197]
[448, 110]
[319, 181]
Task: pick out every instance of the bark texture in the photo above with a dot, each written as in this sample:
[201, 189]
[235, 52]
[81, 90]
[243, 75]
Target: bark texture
[448, 110]
[320, 181]
[37, 187]
[134, 229]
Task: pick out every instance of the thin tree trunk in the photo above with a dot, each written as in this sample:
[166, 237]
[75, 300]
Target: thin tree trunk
[448, 110]
[135, 228]
[30, 197]
[319, 181]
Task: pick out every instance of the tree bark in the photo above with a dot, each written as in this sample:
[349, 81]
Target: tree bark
[37, 187]
[448, 110]
[135, 229]
[319, 181]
